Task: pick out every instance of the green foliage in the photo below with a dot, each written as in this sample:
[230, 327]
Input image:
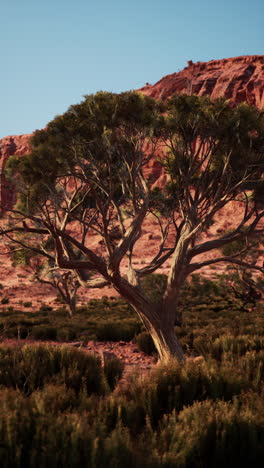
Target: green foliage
[117, 331]
[104, 319]
[212, 434]
[145, 343]
[5, 300]
[107, 121]
[202, 288]
[43, 332]
[57, 410]
[21, 257]
[30, 438]
[238, 345]
[232, 130]
[234, 247]
[45, 308]
[173, 387]
[30, 367]
[113, 370]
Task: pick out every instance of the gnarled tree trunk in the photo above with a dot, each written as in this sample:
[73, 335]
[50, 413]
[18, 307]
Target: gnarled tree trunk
[158, 321]
[166, 342]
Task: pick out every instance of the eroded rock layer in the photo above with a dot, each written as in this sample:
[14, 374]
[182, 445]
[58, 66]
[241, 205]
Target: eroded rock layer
[240, 79]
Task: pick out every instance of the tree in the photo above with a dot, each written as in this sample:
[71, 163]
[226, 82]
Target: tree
[64, 282]
[44, 271]
[87, 175]
[245, 286]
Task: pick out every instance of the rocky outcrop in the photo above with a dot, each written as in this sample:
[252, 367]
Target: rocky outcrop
[11, 145]
[240, 79]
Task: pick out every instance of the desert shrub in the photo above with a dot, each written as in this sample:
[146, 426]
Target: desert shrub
[67, 334]
[252, 367]
[30, 367]
[27, 304]
[44, 332]
[36, 435]
[214, 434]
[17, 426]
[58, 428]
[117, 331]
[237, 345]
[84, 325]
[113, 371]
[173, 387]
[45, 308]
[5, 300]
[145, 343]
[57, 398]
[23, 332]
[200, 288]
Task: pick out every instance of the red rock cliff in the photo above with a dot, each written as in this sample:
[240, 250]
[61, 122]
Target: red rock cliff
[238, 79]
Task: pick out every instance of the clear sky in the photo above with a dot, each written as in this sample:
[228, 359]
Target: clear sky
[55, 51]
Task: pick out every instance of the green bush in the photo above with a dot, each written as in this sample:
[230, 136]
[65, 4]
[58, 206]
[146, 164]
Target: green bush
[44, 333]
[116, 331]
[238, 345]
[23, 332]
[113, 370]
[45, 308]
[56, 410]
[252, 367]
[31, 437]
[30, 367]
[145, 343]
[174, 386]
[5, 300]
[212, 434]
[200, 287]
[67, 334]
[56, 427]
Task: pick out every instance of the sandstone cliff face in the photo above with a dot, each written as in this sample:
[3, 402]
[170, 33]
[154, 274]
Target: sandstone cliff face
[240, 79]
[11, 145]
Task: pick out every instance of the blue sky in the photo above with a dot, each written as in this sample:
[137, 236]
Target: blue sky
[55, 51]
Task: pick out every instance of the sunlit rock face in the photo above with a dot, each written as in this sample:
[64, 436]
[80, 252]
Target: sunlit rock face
[240, 79]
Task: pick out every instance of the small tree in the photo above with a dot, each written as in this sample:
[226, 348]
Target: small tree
[65, 283]
[87, 175]
[244, 286]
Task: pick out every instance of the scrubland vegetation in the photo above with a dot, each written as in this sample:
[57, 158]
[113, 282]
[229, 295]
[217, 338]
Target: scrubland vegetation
[60, 408]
